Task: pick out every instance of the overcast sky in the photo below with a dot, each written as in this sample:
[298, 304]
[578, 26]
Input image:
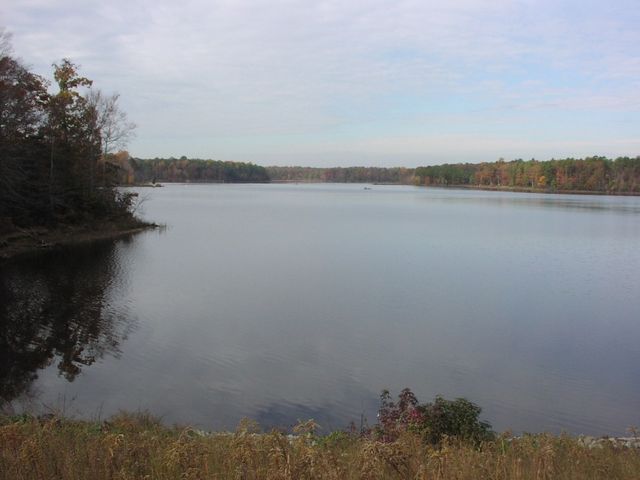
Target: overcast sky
[353, 82]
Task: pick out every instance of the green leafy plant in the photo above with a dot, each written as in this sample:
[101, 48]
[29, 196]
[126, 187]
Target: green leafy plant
[435, 421]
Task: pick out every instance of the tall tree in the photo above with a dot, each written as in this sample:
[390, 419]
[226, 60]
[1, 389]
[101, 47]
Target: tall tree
[112, 123]
[73, 139]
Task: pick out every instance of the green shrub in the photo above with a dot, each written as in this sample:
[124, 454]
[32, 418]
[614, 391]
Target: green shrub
[435, 421]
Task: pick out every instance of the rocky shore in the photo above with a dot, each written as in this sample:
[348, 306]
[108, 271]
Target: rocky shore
[616, 442]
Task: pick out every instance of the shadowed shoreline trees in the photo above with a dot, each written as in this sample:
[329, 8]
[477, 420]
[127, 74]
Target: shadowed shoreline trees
[51, 144]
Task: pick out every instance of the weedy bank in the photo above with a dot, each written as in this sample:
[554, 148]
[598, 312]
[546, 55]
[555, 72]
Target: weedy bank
[137, 446]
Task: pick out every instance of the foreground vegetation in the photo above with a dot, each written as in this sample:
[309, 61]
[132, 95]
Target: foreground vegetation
[138, 447]
[443, 439]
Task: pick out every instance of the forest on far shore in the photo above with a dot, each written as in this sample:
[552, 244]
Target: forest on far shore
[184, 169]
[591, 174]
[396, 175]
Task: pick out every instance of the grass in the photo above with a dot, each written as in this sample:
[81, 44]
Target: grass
[138, 446]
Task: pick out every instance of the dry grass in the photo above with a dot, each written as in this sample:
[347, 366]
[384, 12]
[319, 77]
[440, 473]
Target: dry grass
[139, 447]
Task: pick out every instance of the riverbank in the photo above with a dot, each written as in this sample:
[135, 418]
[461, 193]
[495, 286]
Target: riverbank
[502, 188]
[20, 242]
[491, 188]
[137, 446]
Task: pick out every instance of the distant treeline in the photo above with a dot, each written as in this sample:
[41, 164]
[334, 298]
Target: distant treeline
[341, 175]
[592, 174]
[184, 169]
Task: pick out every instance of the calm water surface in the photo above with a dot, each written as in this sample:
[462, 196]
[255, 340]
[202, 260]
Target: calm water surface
[279, 302]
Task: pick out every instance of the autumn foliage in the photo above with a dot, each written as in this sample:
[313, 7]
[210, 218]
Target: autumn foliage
[592, 174]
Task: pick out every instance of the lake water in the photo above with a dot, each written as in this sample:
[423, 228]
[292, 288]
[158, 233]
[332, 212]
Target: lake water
[286, 302]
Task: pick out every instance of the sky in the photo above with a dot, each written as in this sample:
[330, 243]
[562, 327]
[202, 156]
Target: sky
[353, 82]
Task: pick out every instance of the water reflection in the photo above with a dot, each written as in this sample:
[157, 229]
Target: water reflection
[284, 416]
[54, 308]
[594, 203]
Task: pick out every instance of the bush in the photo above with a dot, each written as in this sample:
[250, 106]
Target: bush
[434, 421]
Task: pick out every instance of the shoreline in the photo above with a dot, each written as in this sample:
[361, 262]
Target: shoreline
[495, 188]
[34, 240]
[143, 419]
[489, 188]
